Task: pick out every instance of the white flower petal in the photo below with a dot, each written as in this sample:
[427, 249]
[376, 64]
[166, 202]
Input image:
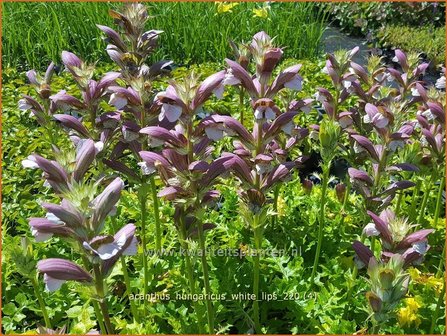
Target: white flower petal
[23, 105]
[146, 169]
[380, 121]
[371, 230]
[269, 114]
[214, 133]
[53, 218]
[52, 284]
[117, 101]
[306, 109]
[259, 113]
[219, 91]
[421, 247]
[132, 248]
[440, 83]
[288, 128]
[40, 236]
[99, 146]
[230, 79]
[295, 84]
[30, 163]
[171, 112]
[107, 251]
[395, 144]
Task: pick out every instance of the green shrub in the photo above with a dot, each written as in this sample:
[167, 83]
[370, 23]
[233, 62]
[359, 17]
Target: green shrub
[362, 18]
[428, 40]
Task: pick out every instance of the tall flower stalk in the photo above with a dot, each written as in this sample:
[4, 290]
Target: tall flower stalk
[135, 107]
[80, 218]
[329, 130]
[185, 163]
[259, 156]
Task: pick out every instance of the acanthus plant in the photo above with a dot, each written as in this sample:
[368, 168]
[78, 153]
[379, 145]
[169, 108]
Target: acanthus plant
[329, 131]
[186, 165]
[242, 55]
[42, 107]
[378, 126]
[80, 219]
[115, 132]
[400, 248]
[387, 110]
[135, 109]
[260, 159]
[430, 135]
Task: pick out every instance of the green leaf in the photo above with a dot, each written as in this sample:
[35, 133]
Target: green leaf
[9, 309]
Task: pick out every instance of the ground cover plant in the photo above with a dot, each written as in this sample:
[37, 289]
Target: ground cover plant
[394, 24]
[252, 195]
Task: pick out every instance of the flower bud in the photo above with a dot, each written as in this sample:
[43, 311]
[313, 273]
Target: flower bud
[386, 278]
[374, 301]
[340, 190]
[328, 135]
[307, 186]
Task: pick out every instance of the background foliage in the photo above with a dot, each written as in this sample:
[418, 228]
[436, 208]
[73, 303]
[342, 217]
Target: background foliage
[194, 31]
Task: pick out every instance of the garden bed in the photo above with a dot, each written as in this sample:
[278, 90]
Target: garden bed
[247, 195]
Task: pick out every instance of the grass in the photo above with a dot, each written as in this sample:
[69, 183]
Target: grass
[190, 29]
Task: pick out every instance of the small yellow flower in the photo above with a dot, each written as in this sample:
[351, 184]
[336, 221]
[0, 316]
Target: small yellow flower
[412, 304]
[426, 279]
[435, 283]
[282, 206]
[226, 7]
[408, 315]
[414, 273]
[261, 12]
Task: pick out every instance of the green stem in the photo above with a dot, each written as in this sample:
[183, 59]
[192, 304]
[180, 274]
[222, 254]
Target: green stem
[438, 202]
[257, 235]
[399, 202]
[416, 191]
[275, 203]
[95, 303]
[437, 310]
[435, 220]
[206, 279]
[373, 245]
[324, 184]
[143, 207]
[190, 275]
[351, 283]
[133, 307]
[155, 202]
[102, 299]
[426, 196]
[99, 317]
[41, 303]
[241, 103]
[256, 259]
[343, 207]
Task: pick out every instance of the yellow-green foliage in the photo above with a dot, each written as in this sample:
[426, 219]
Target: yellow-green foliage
[428, 40]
